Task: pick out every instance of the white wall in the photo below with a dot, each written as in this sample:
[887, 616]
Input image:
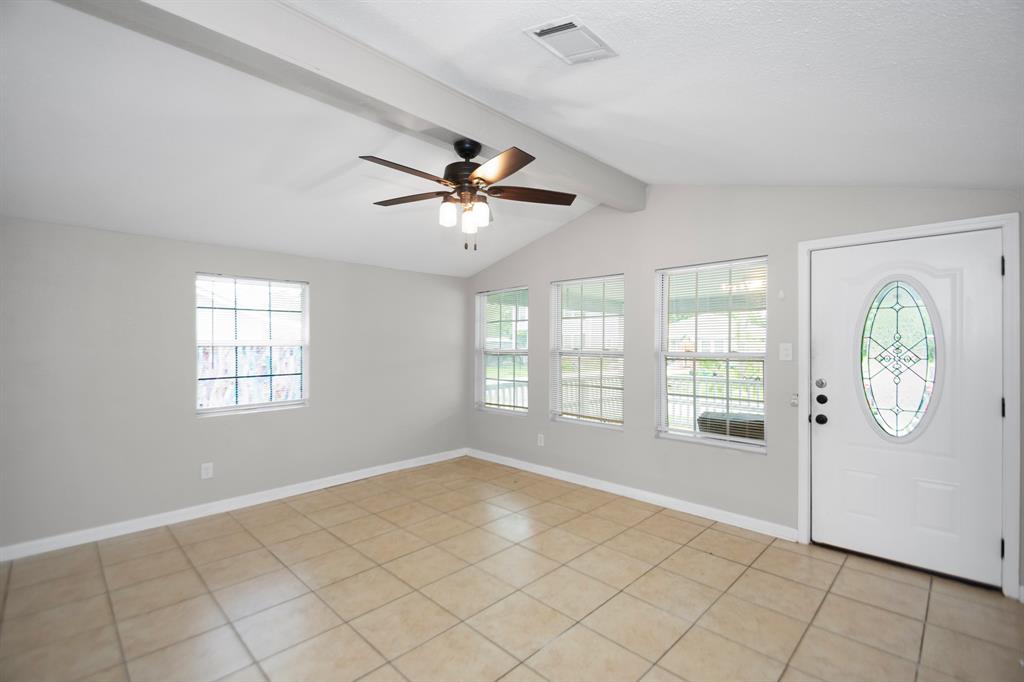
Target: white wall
[97, 366]
[685, 226]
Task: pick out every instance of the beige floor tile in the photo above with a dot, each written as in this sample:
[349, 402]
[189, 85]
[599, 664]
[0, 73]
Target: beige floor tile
[52, 593]
[925, 674]
[68, 659]
[270, 589]
[891, 571]
[117, 673]
[546, 490]
[515, 527]
[39, 629]
[986, 596]
[785, 596]
[593, 528]
[385, 673]
[610, 567]
[57, 564]
[425, 566]
[968, 658]
[422, 491]
[209, 656]
[517, 480]
[728, 546]
[996, 624]
[794, 675]
[363, 592]
[250, 673]
[315, 501]
[582, 654]
[156, 629]
[520, 624]
[871, 625]
[514, 501]
[282, 626]
[582, 500]
[332, 516]
[157, 593]
[391, 545]
[670, 528]
[679, 596]
[403, 624]
[458, 654]
[468, 591]
[145, 568]
[306, 547]
[829, 657]
[205, 528]
[763, 630]
[570, 591]
[134, 545]
[659, 674]
[272, 533]
[479, 490]
[703, 656]
[262, 514]
[449, 501]
[558, 545]
[439, 528]
[474, 545]
[882, 592]
[637, 625]
[478, 513]
[743, 533]
[550, 513]
[802, 569]
[642, 546]
[338, 655]
[383, 501]
[701, 521]
[363, 528]
[813, 551]
[226, 572]
[517, 565]
[521, 673]
[705, 568]
[625, 512]
[219, 548]
[358, 490]
[325, 569]
[409, 513]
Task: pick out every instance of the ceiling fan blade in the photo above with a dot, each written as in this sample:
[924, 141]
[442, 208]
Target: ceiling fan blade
[412, 197]
[406, 169]
[537, 196]
[501, 166]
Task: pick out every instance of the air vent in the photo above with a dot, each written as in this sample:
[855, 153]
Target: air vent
[572, 42]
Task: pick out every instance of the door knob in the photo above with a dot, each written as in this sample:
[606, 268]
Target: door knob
[821, 419]
[821, 398]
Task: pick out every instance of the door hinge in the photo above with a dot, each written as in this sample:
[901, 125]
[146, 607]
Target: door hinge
[1002, 548]
[1004, 407]
[1002, 266]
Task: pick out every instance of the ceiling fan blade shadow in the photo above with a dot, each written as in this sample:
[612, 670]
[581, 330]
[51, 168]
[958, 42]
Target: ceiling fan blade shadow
[501, 166]
[407, 169]
[412, 197]
[531, 194]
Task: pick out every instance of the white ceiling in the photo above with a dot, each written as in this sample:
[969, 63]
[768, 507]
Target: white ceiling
[104, 127]
[923, 92]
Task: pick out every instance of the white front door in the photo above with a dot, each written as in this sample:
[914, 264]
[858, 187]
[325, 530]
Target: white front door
[906, 382]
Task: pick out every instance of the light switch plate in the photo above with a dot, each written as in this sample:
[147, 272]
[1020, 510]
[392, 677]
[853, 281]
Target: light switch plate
[785, 352]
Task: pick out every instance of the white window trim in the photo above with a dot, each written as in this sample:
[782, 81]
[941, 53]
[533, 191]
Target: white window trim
[481, 353]
[204, 412]
[661, 429]
[557, 354]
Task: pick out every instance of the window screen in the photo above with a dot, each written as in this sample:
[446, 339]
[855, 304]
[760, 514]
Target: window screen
[503, 349]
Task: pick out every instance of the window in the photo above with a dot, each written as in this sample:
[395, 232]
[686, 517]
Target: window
[711, 351]
[502, 349]
[587, 349]
[251, 343]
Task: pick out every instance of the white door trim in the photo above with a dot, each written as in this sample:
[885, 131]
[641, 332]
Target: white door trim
[1009, 223]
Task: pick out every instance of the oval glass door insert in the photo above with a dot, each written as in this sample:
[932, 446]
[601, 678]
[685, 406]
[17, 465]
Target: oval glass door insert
[897, 358]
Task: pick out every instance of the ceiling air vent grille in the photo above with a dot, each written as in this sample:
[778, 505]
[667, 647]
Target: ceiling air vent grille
[572, 42]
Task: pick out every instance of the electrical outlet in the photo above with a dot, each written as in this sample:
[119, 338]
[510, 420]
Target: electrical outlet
[540, 440]
[206, 470]
[785, 352]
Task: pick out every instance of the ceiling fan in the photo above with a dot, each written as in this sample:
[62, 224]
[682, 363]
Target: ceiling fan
[468, 185]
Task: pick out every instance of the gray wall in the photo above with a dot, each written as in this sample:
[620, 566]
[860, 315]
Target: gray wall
[97, 395]
[684, 226]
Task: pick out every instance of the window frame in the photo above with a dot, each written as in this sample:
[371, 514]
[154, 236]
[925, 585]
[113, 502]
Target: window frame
[480, 390]
[269, 406]
[662, 356]
[557, 353]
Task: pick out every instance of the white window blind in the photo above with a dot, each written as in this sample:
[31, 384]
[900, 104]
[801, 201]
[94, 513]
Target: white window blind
[711, 350]
[503, 341]
[587, 342]
[251, 343]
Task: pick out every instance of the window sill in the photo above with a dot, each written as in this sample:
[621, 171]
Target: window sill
[498, 410]
[600, 425]
[714, 442]
[249, 409]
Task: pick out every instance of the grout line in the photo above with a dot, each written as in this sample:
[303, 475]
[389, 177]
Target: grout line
[113, 613]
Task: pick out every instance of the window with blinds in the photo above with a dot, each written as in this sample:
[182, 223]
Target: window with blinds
[587, 340]
[711, 350]
[251, 343]
[503, 344]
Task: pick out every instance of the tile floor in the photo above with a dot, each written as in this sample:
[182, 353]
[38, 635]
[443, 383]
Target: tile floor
[467, 570]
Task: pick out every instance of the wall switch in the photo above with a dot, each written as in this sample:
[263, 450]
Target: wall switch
[785, 352]
[540, 440]
[206, 470]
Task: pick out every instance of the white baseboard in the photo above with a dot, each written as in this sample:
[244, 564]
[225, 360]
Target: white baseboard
[713, 513]
[47, 544]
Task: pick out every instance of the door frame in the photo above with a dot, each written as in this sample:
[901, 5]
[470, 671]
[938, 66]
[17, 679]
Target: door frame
[1009, 224]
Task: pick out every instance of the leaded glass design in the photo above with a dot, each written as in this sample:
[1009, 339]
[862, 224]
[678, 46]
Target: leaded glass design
[898, 358]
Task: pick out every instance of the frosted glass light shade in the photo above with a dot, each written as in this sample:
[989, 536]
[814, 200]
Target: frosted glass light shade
[469, 224]
[448, 215]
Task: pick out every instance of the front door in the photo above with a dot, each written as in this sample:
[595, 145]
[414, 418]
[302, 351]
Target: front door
[906, 396]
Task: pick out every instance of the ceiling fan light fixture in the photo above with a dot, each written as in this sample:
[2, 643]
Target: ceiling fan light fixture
[448, 215]
[469, 224]
[481, 211]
